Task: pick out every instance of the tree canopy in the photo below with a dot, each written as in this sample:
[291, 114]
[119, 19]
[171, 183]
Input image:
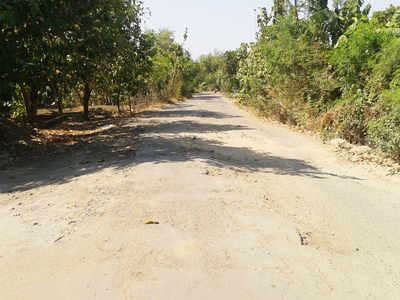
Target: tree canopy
[50, 48]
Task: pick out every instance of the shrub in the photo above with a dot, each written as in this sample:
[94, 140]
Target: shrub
[384, 132]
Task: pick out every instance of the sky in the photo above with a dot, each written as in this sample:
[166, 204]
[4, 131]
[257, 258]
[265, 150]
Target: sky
[214, 25]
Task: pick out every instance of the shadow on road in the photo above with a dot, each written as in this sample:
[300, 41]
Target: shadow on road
[188, 126]
[114, 147]
[162, 142]
[185, 113]
[216, 154]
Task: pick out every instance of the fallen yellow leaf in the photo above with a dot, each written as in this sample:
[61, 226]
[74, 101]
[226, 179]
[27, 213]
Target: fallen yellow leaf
[151, 222]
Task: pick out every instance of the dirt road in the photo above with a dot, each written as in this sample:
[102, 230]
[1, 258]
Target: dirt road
[241, 209]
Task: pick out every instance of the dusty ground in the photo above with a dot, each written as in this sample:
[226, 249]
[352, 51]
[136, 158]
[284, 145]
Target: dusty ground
[245, 210]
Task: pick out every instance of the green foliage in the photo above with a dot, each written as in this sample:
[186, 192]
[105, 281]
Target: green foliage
[18, 110]
[209, 66]
[227, 78]
[335, 70]
[355, 55]
[336, 22]
[173, 72]
[332, 69]
[353, 114]
[367, 63]
[384, 131]
[386, 16]
[314, 6]
[57, 45]
[285, 72]
[279, 10]
[385, 69]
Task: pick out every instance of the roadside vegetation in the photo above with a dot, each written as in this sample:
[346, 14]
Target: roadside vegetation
[60, 54]
[333, 70]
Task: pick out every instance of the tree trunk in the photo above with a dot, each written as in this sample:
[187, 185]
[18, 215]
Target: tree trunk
[117, 102]
[59, 98]
[60, 105]
[86, 98]
[31, 102]
[130, 105]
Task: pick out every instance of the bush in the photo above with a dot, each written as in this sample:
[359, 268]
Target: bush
[352, 116]
[384, 132]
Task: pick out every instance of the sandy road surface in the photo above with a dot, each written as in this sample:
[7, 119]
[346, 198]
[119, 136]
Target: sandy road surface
[246, 210]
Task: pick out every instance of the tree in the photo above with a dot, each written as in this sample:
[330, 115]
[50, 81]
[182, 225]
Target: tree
[52, 43]
[130, 68]
[279, 10]
[389, 15]
[172, 66]
[28, 29]
[209, 66]
[104, 29]
[314, 6]
[337, 21]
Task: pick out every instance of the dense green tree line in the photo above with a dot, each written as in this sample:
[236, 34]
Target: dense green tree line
[335, 70]
[332, 69]
[52, 49]
[173, 73]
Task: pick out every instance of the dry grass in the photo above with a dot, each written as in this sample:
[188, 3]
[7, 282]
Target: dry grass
[324, 121]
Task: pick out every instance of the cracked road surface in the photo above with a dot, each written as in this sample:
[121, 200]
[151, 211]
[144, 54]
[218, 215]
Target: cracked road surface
[241, 209]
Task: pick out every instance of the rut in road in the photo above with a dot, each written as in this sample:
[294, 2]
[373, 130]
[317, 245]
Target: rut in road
[240, 209]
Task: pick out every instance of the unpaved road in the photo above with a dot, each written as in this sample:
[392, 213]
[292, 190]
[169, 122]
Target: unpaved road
[246, 210]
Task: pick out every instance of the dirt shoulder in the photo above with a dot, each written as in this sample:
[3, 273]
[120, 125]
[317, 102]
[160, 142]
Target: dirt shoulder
[241, 209]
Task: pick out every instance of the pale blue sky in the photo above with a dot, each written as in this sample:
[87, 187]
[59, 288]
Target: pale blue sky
[215, 24]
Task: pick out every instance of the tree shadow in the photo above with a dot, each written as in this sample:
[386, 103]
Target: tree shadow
[188, 126]
[129, 144]
[183, 109]
[114, 147]
[185, 113]
[207, 96]
[160, 150]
